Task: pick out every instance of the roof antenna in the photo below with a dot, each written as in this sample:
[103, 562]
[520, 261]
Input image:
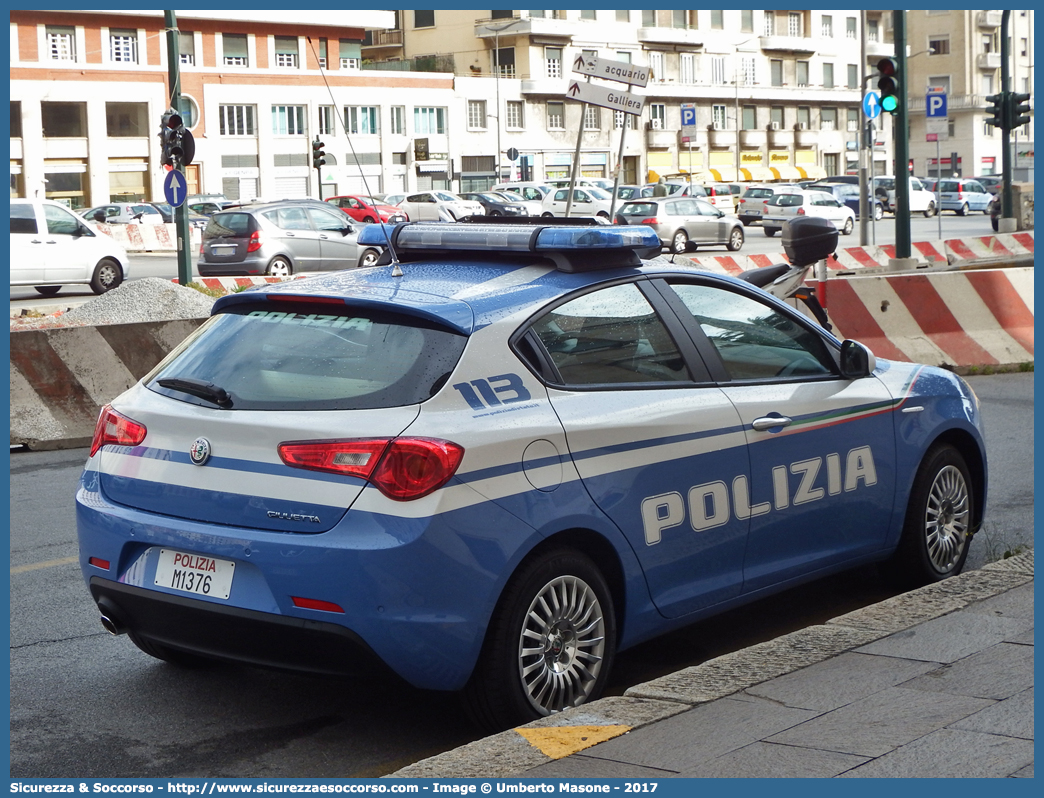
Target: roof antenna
[396, 268]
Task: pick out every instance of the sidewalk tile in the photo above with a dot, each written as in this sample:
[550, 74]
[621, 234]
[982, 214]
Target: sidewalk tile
[766, 760]
[1015, 603]
[998, 672]
[949, 638]
[580, 766]
[1012, 717]
[951, 753]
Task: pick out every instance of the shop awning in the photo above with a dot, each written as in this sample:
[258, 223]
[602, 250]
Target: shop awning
[432, 166]
[724, 174]
[811, 172]
[757, 174]
[786, 173]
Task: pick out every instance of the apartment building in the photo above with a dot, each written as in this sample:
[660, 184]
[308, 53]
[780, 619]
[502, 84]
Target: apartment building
[959, 52]
[777, 93]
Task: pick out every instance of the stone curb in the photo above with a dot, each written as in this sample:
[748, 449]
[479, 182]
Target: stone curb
[509, 755]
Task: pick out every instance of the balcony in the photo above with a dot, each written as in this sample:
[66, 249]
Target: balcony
[693, 38]
[553, 31]
[989, 19]
[877, 50]
[721, 138]
[987, 61]
[788, 44]
[659, 138]
[753, 138]
[544, 86]
[805, 138]
[781, 138]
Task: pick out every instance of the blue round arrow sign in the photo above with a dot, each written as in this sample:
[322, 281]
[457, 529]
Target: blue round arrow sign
[872, 105]
[174, 188]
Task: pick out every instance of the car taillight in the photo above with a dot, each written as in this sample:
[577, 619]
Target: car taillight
[254, 244]
[113, 427]
[401, 468]
[800, 211]
[650, 220]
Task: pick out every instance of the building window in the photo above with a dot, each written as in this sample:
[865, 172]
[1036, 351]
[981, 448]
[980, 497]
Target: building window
[237, 120]
[827, 29]
[553, 61]
[717, 20]
[623, 55]
[770, 23]
[587, 13]
[987, 84]
[828, 76]
[623, 16]
[515, 120]
[398, 120]
[939, 45]
[804, 117]
[234, 50]
[648, 18]
[350, 63]
[621, 118]
[776, 70]
[872, 30]
[123, 46]
[747, 21]
[718, 115]
[322, 53]
[747, 68]
[186, 47]
[853, 120]
[828, 119]
[658, 116]
[504, 61]
[16, 120]
[127, 120]
[851, 28]
[592, 118]
[476, 114]
[361, 120]
[429, 120]
[555, 116]
[802, 73]
[776, 117]
[63, 120]
[288, 120]
[939, 83]
[286, 52]
[61, 43]
[717, 70]
[424, 19]
[656, 67]
[327, 121]
[831, 163]
[750, 117]
[853, 76]
[679, 18]
[793, 24]
[349, 54]
[687, 65]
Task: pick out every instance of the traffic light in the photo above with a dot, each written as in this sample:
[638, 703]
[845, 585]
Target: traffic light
[995, 110]
[165, 133]
[318, 154]
[178, 145]
[889, 84]
[1018, 110]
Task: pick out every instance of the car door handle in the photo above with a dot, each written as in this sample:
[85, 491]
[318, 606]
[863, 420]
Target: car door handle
[770, 422]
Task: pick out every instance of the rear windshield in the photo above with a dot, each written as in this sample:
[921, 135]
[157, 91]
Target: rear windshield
[229, 225]
[759, 193]
[293, 356]
[639, 209]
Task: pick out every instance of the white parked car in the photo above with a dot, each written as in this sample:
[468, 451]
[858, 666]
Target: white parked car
[438, 205]
[124, 213]
[921, 199]
[786, 205]
[51, 247]
[587, 201]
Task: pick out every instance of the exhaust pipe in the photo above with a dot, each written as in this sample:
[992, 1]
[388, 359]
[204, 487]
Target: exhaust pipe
[110, 618]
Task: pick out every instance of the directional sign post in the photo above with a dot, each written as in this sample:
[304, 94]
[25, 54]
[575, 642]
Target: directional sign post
[605, 96]
[174, 188]
[619, 71]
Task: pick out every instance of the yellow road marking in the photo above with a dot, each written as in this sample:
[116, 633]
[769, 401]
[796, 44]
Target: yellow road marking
[36, 566]
[559, 741]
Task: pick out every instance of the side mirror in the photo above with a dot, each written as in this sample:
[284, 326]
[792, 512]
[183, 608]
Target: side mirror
[857, 360]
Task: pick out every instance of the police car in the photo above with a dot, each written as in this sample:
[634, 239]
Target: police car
[500, 456]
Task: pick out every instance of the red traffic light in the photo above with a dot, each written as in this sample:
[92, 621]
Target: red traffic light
[174, 121]
[887, 67]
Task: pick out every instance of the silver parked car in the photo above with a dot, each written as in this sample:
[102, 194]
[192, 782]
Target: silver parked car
[683, 223]
[279, 239]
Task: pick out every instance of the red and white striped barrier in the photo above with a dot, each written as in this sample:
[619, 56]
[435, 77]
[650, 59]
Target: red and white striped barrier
[230, 284]
[966, 318]
[149, 237]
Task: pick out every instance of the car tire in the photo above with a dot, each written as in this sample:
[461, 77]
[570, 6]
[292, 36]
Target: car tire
[47, 290]
[963, 210]
[279, 267]
[770, 231]
[369, 220]
[369, 257]
[678, 241]
[849, 226]
[547, 215]
[494, 213]
[107, 275]
[878, 212]
[550, 643]
[736, 239]
[602, 214]
[939, 521]
[174, 656]
[929, 212]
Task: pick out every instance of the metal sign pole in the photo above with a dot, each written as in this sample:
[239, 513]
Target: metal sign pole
[619, 168]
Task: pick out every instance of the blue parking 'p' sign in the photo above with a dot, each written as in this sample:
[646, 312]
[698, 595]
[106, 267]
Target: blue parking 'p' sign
[935, 105]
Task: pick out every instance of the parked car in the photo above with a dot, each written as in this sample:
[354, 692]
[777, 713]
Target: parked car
[168, 211]
[921, 200]
[801, 202]
[279, 239]
[992, 183]
[495, 204]
[393, 200]
[587, 201]
[533, 192]
[493, 490]
[674, 188]
[751, 207]
[628, 192]
[439, 205]
[51, 246]
[683, 223]
[848, 193]
[962, 195]
[839, 179]
[124, 213]
[206, 204]
[364, 209]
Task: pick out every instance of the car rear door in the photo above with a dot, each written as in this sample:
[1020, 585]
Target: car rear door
[657, 447]
[296, 236]
[27, 244]
[337, 245]
[70, 255]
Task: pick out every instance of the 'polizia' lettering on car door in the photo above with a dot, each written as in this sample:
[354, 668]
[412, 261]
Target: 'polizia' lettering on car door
[710, 505]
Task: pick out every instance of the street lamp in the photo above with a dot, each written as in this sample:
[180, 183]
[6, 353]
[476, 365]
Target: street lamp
[735, 76]
[496, 70]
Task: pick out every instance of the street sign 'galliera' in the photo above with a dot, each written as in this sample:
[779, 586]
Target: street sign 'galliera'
[605, 96]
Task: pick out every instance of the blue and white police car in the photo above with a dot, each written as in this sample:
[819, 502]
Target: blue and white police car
[503, 454]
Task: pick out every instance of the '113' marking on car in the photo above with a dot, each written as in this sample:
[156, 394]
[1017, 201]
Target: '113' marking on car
[480, 394]
[709, 503]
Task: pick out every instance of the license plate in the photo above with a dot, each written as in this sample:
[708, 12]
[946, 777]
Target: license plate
[195, 574]
[397, 219]
[225, 249]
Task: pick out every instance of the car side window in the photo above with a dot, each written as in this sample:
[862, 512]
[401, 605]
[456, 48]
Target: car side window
[324, 220]
[23, 219]
[289, 219]
[610, 337]
[60, 222]
[755, 341]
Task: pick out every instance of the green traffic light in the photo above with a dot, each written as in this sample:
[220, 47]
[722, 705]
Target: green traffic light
[890, 103]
